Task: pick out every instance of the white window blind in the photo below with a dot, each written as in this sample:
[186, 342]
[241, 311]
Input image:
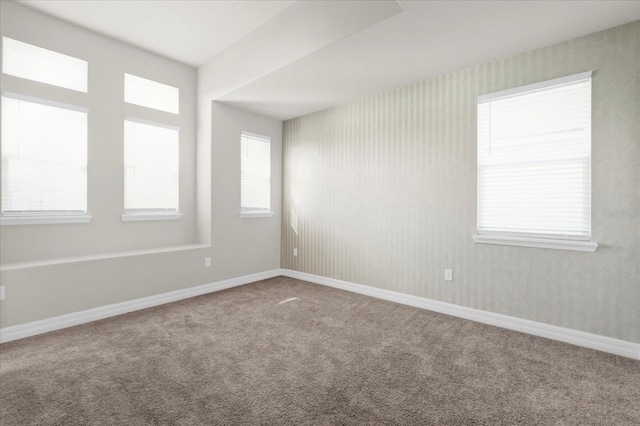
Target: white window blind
[151, 167]
[46, 66]
[534, 160]
[255, 173]
[151, 94]
[44, 158]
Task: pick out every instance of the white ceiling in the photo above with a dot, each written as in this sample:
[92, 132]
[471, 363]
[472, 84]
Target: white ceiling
[395, 47]
[186, 30]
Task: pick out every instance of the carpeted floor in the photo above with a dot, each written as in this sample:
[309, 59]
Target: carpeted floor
[286, 352]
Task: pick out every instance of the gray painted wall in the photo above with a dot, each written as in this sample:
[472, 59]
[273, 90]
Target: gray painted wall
[382, 192]
[108, 61]
[51, 270]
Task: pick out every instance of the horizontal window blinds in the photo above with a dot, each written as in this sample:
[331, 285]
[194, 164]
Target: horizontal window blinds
[255, 173]
[44, 158]
[534, 160]
[151, 160]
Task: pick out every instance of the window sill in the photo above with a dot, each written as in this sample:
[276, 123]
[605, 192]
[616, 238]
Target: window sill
[137, 217]
[255, 214]
[43, 220]
[588, 246]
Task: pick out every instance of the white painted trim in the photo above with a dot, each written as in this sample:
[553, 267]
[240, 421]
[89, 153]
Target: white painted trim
[151, 122]
[43, 219]
[505, 240]
[245, 215]
[252, 135]
[136, 217]
[21, 331]
[568, 79]
[574, 337]
[102, 256]
[46, 102]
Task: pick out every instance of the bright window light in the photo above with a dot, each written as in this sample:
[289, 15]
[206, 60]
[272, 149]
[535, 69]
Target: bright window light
[44, 159]
[151, 94]
[46, 66]
[534, 160]
[255, 173]
[151, 167]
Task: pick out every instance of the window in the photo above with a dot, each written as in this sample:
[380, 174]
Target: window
[44, 160]
[151, 181]
[255, 175]
[534, 165]
[151, 94]
[46, 66]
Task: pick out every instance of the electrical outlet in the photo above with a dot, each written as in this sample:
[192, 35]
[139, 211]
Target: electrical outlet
[295, 251]
[1, 292]
[448, 275]
[207, 262]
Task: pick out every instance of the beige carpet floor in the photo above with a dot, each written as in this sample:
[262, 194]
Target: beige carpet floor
[248, 356]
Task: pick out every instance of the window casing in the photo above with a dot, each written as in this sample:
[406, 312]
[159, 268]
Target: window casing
[44, 141]
[152, 151]
[534, 162]
[255, 175]
[151, 158]
[35, 63]
[151, 94]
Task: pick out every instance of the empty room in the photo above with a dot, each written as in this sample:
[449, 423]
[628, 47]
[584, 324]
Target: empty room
[306, 212]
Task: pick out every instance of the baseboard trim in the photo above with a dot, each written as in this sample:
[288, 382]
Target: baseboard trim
[21, 331]
[574, 337]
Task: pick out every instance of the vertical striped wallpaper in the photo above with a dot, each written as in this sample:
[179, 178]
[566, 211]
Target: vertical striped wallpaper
[382, 192]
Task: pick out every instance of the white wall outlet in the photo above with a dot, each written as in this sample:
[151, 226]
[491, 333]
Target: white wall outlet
[295, 251]
[1, 292]
[448, 274]
[207, 262]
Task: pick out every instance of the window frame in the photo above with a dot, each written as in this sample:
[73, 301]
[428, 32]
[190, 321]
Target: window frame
[549, 241]
[145, 214]
[255, 213]
[81, 87]
[129, 93]
[42, 217]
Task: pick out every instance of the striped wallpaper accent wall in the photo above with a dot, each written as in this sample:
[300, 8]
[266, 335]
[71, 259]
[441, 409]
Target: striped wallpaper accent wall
[382, 192]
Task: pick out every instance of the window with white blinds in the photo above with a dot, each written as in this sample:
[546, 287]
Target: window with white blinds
[255, 174]
[151, 177]
[534, 160]
[44, 158]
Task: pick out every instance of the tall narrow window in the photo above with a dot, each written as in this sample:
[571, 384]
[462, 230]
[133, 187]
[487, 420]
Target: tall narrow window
[151, 94]
[151, 171]
[255, 175]
[46, 66]
[44, 158]
[534, 161]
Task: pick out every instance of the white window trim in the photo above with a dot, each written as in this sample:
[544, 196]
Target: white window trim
[145, 216]
[571, 244]
[548, 243]
[44, 219]
[246, 215]
[543, 85]
[43, 101]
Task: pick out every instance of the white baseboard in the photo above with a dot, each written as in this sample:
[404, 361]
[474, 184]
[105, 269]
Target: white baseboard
[574, 337]
[21, 331]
